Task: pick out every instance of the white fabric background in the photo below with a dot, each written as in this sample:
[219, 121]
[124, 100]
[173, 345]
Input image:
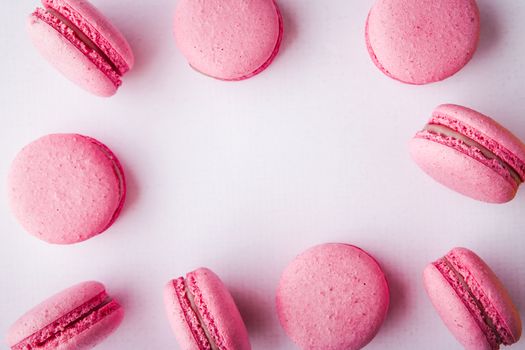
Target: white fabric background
[241, 177]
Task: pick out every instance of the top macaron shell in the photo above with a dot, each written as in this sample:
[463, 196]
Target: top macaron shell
[66, 188]
[453, 311]
[65, 49]
[422, 41]
[228, 39]
[217, 308]
[332, 297]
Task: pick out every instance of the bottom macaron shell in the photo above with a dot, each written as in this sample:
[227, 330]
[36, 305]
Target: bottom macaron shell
[65, 57]
[453, 311]
[461, 172]
[332, 297]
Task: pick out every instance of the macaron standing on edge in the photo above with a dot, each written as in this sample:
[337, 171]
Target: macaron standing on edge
[82, 44]
[332, 297]
[203, 314]
[66, 188]
[422, 41]
[77, 318]
[471, 154]
[472, 301]
[228, 39]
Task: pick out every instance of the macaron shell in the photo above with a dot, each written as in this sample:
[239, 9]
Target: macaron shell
[228, 39]
[492, 288]
[177, 319]
[460, 172]
[453, 312]
[52, 309]
[332, 297]
[218, 310]
[422, 41]
[66, 188]
[501, 136]
[101, 25]
[67, 59]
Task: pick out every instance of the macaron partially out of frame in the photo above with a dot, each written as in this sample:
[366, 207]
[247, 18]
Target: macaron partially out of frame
[471, 154]
[228, 39]
[422, 41]
[203, 314]
[66, 188]
[333, 296]
[77, 318]
[82, 44]
[472, 301]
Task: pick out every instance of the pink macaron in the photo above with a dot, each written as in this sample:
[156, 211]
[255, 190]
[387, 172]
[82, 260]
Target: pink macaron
[422, 41]
[77, 318]
[471, 154]
[472, 301]
[203, 314]
[332, 297]
[228, 39]
[66, 188]
[82, 44]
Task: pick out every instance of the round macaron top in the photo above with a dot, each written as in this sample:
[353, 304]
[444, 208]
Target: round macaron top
[228, 39]
[333, 296]
[422, 41]
[66, 188]
[52, 309]
[98, 28]
[203, 314]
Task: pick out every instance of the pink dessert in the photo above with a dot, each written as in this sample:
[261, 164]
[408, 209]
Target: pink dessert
[202, 313]
[82, 44]
[66, 188]
[472, 301]
[77, 318]
[471, 154]
[228, 39]
[333, 296]
[422, 41]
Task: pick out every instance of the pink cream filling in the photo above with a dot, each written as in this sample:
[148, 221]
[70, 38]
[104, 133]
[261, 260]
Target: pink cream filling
[71, 324]
[88, 48]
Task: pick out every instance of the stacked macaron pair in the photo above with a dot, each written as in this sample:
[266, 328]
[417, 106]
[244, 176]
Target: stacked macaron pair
[225, 39]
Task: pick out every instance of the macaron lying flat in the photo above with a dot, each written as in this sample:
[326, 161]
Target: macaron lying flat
[77, 318]
[471, 154]
[422, 41]
[82, 44]
[66, 188]
[228, 39]
[472, 301]
[332, 297]
[203, 314]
